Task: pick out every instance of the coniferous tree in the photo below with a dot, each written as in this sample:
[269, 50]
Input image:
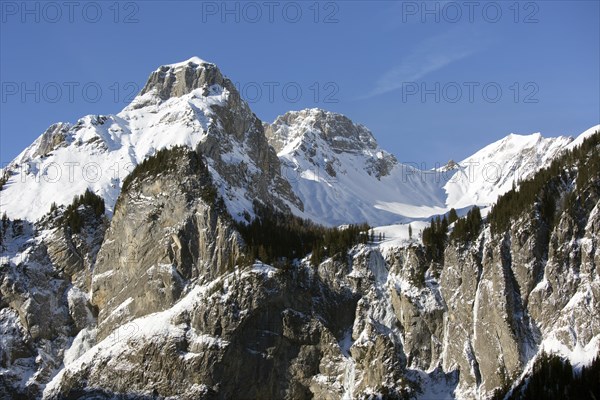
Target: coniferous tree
[88, 200]
[4, 179]
[467, 229]
[17, 227]
[434, 238]
[452, 216]
[554, 378]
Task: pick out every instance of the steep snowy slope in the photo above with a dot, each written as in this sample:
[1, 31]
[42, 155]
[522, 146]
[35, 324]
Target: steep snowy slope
[492, 171]
[579, 140]
[188, 103]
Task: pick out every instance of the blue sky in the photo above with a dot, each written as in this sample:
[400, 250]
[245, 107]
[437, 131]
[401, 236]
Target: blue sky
[432, 80]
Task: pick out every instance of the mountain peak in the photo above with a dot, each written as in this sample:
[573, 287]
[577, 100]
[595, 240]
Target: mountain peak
[450, 165]
[203, 111]
[179, 79]
[515, 137]
[516, 143]
[337, 130]
[193, 62]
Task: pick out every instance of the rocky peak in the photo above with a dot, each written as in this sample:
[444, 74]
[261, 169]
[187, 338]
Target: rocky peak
[450, 165]
[176, 80]
[53, 137]
[187, 104]
[337, 130]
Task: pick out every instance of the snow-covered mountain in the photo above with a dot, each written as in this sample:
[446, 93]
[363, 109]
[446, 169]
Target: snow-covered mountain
[495, 169]
[342, 175]
[163, 298]
[184, 104]
[330, 169]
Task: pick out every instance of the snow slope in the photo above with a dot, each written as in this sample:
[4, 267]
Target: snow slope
[342, 175]
[492, 171]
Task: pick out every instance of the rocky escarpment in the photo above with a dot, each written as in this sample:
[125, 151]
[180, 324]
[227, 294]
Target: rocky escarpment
[531, 288]
[166, 231]
[322, 136]
[170, 81]
[337, 130]
[379, 321]
[334, 332]
[263, 329]
[345, 329]
[44, 280]
[54, 137]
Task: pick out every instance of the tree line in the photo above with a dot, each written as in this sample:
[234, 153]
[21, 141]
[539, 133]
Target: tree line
[554, 378]
[278, 238]
[167, 160]
[435, 237]
[163, 160]
[72, 218]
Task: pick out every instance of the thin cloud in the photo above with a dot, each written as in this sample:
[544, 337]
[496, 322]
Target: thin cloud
[430, 55]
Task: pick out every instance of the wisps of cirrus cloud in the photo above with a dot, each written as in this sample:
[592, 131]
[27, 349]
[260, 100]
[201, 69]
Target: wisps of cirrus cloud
[429, 55]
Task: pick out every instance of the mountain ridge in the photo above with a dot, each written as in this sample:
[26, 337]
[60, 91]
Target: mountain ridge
[179, 105]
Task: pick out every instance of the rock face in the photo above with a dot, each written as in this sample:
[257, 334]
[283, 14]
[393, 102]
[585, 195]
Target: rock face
[235, 142]
[304, 130]
[343, 330]
[188, 104]
[268, 344]
[177, 80]
[54, 137]
[162, 236]
[507, 296]
[384, 321]
[44, 280]
[337, 130]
